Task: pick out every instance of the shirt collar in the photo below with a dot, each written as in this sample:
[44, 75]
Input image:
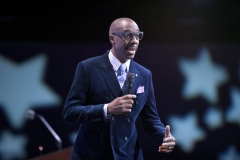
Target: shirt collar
[116, 63]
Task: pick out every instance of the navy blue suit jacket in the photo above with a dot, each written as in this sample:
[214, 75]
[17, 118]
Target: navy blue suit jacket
[94, 85]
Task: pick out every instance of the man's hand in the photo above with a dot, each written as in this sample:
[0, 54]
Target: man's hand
[168, 142]
[121, 105]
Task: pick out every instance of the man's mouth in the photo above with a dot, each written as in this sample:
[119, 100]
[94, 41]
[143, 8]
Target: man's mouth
[131, 49]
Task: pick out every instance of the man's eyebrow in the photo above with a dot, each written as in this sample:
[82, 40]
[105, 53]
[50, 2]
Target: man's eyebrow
[131, 31]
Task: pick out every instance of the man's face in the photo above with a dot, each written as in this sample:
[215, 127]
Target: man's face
[125, 45]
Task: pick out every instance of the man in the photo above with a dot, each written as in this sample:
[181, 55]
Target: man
[106, 101]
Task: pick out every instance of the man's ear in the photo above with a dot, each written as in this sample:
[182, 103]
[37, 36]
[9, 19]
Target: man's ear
[111, 39]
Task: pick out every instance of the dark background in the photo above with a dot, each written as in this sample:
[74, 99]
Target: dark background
[68, 33]
[164, 21]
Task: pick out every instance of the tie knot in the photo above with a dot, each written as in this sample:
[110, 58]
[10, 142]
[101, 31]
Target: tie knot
[123, 67]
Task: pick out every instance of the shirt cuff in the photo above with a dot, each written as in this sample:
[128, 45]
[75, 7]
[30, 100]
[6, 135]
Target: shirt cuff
[107, 116]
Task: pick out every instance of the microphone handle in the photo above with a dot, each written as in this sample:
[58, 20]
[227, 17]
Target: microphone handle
[130, 88]
[57, 138]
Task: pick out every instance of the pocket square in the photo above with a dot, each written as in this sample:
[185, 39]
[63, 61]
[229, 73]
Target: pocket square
[140, 89]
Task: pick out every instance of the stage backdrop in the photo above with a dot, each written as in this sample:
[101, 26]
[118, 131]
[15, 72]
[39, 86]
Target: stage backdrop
[197, 88]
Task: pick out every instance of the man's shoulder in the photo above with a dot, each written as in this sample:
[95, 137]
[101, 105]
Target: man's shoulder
[95, 60]
[140, 67]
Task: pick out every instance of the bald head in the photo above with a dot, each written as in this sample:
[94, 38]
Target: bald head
[119, 24]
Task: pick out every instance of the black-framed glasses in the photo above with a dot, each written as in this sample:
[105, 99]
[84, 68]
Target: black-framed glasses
[128, 35]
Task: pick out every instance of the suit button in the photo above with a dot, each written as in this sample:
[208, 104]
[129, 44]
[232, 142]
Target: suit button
[128, 120]
[112, 118]
[126, 138]
[107, 98]
[136, 102]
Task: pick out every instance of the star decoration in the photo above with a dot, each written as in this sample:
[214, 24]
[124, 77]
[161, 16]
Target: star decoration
[186, 131]
[8, 150]
[22, 87]
[202, 77]
[230, 154]
[232, 114]
[213, 118]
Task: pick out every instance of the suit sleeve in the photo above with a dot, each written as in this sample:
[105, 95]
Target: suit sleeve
[150, 118]
[76, 109]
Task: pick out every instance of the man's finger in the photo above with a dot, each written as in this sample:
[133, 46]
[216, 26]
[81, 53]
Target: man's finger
[169, 144]
[169, 139]
[129, 101]
[129, 96]
[128, 106]
[165, 149]
[167, 134]
[128, 110]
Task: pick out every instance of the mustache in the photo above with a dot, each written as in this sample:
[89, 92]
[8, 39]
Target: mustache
[132, 47]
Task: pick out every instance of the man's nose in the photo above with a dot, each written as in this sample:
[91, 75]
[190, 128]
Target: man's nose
[134, 39]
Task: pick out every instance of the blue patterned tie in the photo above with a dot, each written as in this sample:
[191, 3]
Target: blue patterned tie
[122, 73]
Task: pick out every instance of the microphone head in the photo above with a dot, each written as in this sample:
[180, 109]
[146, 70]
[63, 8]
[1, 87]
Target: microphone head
[30, 114]
[130, 77]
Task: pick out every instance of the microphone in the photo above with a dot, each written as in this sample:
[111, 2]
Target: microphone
[130, 78]
[32, 114]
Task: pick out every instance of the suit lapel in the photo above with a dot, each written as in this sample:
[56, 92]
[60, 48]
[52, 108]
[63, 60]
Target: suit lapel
[109, 75]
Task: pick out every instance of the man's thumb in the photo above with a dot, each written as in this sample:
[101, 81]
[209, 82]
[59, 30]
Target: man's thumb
[167, 134]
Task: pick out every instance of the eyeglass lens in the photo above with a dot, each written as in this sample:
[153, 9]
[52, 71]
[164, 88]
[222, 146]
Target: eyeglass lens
[129, 35]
